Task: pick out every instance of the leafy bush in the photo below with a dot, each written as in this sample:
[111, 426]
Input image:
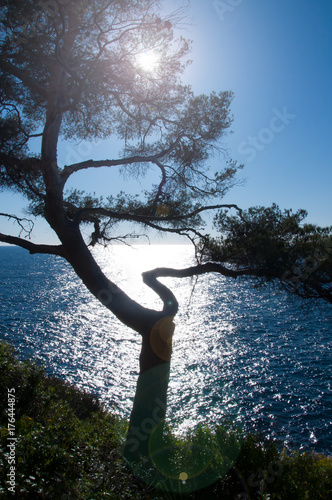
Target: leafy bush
[68, 447]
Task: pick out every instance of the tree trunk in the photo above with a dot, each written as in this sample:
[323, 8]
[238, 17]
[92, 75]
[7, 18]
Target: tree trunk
[150, 402]
[155, 327]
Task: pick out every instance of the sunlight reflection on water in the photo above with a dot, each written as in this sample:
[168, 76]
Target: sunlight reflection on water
[251, 356]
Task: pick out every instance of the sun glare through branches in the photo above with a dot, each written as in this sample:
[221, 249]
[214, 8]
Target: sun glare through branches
[148, 61]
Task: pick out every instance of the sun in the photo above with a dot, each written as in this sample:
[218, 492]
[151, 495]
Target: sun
[148, 61]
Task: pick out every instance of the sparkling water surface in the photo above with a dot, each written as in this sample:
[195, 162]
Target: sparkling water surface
[257, 357]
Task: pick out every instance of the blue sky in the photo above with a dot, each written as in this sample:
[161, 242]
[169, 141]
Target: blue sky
[276, 56]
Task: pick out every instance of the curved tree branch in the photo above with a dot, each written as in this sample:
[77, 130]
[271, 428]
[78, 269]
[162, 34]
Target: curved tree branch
[168, 298]
[312, 291]
[68, 170]
[170, 303]
[209, 267]
[145, 219]
[33, 247]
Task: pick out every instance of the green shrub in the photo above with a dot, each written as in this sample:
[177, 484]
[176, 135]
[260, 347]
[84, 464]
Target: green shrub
[67, 445]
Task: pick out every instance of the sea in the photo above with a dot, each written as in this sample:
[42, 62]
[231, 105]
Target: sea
[251, 357]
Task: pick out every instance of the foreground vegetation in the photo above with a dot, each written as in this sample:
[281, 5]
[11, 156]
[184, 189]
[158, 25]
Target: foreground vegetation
[68, 447]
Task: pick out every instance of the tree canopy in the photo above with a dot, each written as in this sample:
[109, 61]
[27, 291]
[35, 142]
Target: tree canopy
[271, 244]
[71, 71]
